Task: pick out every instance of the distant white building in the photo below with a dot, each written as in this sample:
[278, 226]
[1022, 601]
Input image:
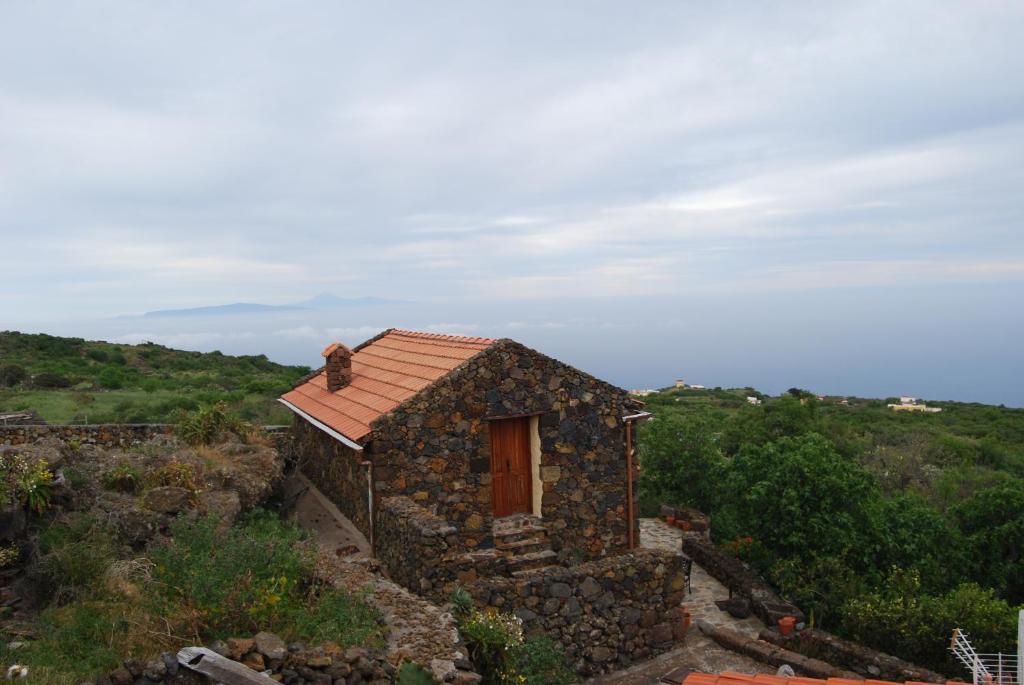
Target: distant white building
[753, 400]
[642, 393]
[910, 404]
[695, 387]
[680, 383]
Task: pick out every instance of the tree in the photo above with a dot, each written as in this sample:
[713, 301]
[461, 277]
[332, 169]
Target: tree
[755, 425]
[11, 375]
[798, 496]
[681, 461]
[993, 523]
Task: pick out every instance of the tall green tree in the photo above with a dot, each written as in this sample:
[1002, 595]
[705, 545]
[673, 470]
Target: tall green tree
[681, 462]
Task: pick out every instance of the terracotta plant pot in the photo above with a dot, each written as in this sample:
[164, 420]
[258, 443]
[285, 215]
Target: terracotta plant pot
[786, 624]
[687, 621]
[683, 525]
[670, 520]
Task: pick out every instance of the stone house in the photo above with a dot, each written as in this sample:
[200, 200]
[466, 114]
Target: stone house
[513, 451]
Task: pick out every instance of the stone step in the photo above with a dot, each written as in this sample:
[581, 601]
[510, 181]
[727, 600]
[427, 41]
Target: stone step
[531, 560]
[505, 538]
[534, 543]
[522, 572]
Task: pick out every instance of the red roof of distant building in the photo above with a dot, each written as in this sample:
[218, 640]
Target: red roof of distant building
[385, 372]
[731, 678]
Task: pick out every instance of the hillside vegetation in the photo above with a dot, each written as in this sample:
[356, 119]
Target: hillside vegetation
[71, 380]
[891, 528]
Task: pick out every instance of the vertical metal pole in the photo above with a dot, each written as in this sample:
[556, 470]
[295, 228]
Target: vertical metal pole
[629, 483]
[1020, 644]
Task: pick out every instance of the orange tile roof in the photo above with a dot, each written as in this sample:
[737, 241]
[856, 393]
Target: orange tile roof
[732, 678]
[385, 372]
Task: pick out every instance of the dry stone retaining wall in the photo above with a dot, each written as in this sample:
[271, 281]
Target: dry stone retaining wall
[740, 579]
[863, 661]
[102, 435]
[604, 614]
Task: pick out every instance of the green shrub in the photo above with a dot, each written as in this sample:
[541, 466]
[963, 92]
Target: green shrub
[98, 355]
[27, 483]
[414, 674]
[176, 474]
[491, 637]
[232, 582]
[338, 616]
[111, 378]
[74, 553]
[12, 374]
[539, 661]
[206, 425]
[48, 379]
[921, 624]
[74, 644]
[122, 478]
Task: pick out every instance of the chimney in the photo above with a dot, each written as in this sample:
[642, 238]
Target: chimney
[339, 366]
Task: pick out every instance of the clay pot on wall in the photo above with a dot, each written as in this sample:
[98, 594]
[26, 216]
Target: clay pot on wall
[686, 620]
[683, 525]
[670, 520]
[786, 624]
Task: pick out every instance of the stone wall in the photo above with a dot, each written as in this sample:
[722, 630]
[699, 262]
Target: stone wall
[605, 613]
[411, 544]
[435, 449]
[102, 435]
[863, 661]
[335, 469]
[740, 579]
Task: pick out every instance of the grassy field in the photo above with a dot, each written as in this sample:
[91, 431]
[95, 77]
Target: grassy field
[70, 380]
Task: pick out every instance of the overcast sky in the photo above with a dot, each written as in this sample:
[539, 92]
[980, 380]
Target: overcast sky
[776, 159]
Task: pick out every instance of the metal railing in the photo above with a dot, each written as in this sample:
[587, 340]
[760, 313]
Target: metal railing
[985, 669]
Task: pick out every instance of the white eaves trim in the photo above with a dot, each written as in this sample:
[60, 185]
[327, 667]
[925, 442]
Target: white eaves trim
[322, 426]
[641, 415]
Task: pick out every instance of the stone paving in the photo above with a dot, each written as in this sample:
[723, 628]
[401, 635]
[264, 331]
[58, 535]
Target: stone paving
[705, 590]
[697, 652]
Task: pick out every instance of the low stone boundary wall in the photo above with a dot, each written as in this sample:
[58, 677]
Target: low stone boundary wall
[102, 434]
[107, 434]
[772, 654]
[863, 661]
[741, 580]
[604, 614]
[411, 544]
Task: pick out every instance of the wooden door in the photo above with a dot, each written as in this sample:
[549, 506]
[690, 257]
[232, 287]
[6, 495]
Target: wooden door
[511, 480]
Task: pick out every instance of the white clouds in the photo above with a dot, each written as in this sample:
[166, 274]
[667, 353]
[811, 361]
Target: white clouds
[521, 151]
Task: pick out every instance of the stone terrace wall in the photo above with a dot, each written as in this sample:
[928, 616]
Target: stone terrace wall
[605, 613]
[103, 435]
[411, 544]
[336, 470]
[435, 449]
[862, 660]
[740, 579]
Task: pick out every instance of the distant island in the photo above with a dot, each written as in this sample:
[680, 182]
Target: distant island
[321, 301]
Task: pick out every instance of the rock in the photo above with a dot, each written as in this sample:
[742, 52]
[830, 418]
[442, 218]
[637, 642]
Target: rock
[167, 499]
[270, 645]
[155, 669]
[224, 504]
[590, 588]
[121, 676]
[560, 590]
[220, 647]
[254, 660]
[239, 647]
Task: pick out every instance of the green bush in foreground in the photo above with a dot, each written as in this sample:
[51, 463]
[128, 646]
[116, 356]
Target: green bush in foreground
[255, 576]
[207, 582]
[500, 653]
